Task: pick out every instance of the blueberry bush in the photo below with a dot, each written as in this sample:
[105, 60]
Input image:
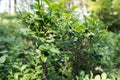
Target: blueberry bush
[63, 45]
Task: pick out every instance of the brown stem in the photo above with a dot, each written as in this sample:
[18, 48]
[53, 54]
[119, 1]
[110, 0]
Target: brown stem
[76, 64]
[44, 71]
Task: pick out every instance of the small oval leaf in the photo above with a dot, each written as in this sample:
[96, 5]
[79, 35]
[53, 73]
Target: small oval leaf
[2, 59]
[97, 77]
[23, 67]
[103, 75]
[43, 58]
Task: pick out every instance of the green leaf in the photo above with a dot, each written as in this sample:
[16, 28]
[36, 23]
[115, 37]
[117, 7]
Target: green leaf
[54, 50]
[38, 18]
[44, 47]
[16, 76]
[97, 77]
[50, 41]
[5, 51]
[43, 58]
[103, 75]
[82, 73]
[74, 7]
[53, 6]
[2, 59]
[38, 51]
[23, 67]
[15, 66]
[91, 74]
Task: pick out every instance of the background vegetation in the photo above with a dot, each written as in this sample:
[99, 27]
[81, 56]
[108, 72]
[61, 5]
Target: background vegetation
[108, 11]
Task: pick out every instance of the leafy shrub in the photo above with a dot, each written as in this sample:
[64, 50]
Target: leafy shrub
[63, 44]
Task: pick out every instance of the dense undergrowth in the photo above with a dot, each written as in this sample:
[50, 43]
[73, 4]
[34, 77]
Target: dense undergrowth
[54, 45]
[108, 11]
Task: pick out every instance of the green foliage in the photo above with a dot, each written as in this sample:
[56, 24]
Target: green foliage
[90, 76]
[63, 44]
[7, 16]
[109, 12]
[112, 48]
[12, 47]
[54, 44]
